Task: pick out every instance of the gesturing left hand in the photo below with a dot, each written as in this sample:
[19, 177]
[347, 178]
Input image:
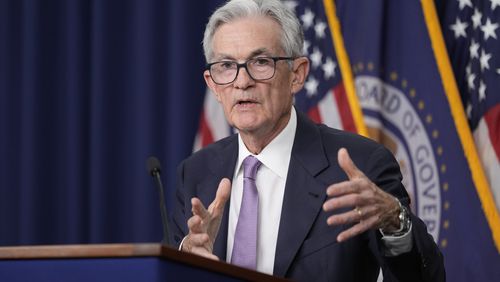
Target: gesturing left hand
[372, 208]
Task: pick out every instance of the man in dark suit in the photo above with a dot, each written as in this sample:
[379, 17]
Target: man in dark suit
[286, 196]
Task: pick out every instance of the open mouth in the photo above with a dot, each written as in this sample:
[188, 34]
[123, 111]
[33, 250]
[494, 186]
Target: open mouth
[246, 102]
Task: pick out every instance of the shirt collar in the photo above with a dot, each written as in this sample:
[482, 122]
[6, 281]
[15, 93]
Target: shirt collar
[276, 155]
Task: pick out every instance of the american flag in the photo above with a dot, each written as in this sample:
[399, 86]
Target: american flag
[471, 30]
[323, 98]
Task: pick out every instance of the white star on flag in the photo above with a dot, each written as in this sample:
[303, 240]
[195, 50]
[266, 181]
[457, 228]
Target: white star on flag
[311, 86]
[291, 4]
[476, 18]
[470, 80]
[494, 4]
[319, 29]
[316, 57]
[489, 29]
[307, 19]
[329, 68]
[463, 3]
[305, 48]
[474, 49]
[485, 57]
[468, 70]
[459, 28]
[468, 110]
[482, 91]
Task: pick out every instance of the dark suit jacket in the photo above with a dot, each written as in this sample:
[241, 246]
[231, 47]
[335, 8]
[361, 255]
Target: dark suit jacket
[307, 249]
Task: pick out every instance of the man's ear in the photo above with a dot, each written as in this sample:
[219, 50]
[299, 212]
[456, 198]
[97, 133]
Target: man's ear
[299, 73]
[210, 83]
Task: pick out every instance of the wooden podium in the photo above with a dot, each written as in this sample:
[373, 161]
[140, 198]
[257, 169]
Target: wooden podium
[115, 262]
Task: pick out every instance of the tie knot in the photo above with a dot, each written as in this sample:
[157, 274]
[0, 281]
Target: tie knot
[250, 166]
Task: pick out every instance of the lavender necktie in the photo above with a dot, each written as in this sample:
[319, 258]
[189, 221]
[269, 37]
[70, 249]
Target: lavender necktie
[245, 237]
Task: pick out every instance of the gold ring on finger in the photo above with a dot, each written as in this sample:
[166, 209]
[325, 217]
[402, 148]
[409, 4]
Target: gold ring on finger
[360, 213]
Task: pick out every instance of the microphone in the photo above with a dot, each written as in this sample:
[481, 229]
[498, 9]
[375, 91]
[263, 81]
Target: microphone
[154, 168]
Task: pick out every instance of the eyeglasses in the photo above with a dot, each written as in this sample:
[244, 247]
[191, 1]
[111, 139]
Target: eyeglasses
[260, 68]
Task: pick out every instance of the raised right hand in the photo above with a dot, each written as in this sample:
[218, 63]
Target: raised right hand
[204, 224]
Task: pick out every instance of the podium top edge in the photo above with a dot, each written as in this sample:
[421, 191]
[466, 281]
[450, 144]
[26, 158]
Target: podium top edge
[80, 251]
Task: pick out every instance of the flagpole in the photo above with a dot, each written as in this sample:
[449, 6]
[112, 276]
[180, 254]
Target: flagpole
[345, 66]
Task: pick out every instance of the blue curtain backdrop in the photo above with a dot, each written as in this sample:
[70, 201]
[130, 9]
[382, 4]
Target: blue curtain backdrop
[89, 90]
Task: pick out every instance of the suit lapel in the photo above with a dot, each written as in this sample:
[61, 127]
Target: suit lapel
[223, 166]
[304, 194]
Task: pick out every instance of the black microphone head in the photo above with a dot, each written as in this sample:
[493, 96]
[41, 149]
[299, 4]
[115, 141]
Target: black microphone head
[153, 165]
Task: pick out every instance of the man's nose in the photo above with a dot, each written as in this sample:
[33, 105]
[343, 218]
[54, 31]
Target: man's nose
[243, 80]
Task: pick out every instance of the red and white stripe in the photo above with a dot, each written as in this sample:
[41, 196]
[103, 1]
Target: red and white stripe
[487, 138]
[333, 110]
[213, 125]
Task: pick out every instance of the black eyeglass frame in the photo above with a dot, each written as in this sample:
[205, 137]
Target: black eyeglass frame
[245, 65]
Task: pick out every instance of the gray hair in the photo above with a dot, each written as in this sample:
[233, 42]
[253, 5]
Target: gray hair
[292, 39]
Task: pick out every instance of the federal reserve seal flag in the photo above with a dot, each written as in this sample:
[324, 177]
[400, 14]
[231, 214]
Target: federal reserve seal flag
[407, 91]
